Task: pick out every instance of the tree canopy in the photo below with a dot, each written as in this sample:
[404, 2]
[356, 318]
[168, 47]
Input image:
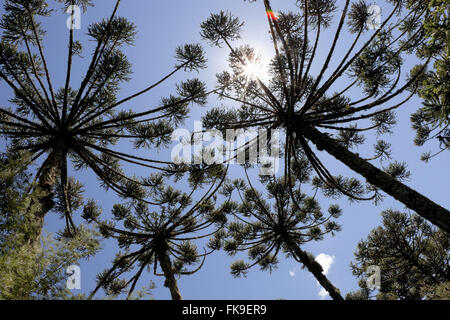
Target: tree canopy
[413, 257]
[333, 86]
[62, 125]
[302, 103]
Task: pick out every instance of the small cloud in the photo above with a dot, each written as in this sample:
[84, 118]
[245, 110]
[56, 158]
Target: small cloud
[325, 261]
[292, 272]
[323, 293]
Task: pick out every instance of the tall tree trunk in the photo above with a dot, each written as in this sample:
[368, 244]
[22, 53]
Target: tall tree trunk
[47, 181]
[316, 269]
[167, 269]
[409, 197]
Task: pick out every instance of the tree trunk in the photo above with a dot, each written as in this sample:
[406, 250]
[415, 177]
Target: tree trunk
[170, 282]
[316, 269]
[426, 208]
[47, 181]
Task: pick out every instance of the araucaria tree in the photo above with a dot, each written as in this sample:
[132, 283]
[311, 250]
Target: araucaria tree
[413, 257]
[31, 272]
[279, 222]
[162, 233]
[311, 100]
[63, 125]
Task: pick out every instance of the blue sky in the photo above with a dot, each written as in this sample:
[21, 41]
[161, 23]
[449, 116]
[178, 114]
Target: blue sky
[162, 26]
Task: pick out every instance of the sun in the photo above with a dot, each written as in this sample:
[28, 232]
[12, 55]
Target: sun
[254, 66]
[253, 69]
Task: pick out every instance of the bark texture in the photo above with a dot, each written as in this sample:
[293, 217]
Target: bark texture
[50, 173]
[316, 269]
[423, 206]
[171, 282]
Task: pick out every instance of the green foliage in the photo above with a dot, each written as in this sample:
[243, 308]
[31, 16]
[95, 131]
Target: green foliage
[191, 57]
[398, 170]
[433, 118]
[358, 15]
[16, 228]
[160, 233]
[30, 271]
[158, 227]
[221, 27]
[377, 66]
[84, 4]
[292, 96]
[441, 292]
[413, 257]
[308, 98]
[276, 222]
[319, 12]
[80, 126]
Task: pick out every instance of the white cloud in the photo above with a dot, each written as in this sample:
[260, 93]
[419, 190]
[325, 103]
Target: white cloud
[325, 261]
[292, 272]
[323, 293]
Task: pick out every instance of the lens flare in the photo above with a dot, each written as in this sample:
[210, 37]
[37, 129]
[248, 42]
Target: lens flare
[252, 69]
[272, 15]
